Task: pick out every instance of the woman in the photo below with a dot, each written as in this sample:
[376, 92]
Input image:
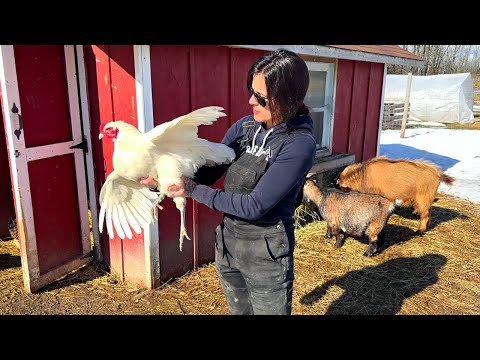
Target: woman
[275, 150]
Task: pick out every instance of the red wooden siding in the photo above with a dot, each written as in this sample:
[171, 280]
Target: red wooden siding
[170, 69]
[373, 111]
[112, 70]
[343, 102]
[357, 108]
[210, 85]
[7, 209]
[241, 61]
[122, 70]
[361, 74]
[42, 86]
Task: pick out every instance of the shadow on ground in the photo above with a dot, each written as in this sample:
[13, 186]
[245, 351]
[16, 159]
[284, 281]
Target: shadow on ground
[380, 289]
[439, 215]
[81, 276]
[8, 261]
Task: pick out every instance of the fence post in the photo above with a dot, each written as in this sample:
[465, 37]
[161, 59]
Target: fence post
[406, 106]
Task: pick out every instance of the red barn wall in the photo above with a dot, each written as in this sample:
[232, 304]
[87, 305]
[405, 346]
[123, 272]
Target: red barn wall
[112, 96]
[7, 209]
[357, 108]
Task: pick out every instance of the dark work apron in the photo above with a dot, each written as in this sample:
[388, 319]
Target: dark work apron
[257, 255]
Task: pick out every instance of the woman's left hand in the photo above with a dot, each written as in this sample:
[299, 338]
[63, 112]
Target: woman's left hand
[176, 191]
[185, 189]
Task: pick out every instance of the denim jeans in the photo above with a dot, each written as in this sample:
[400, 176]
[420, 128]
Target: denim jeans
[255, 267]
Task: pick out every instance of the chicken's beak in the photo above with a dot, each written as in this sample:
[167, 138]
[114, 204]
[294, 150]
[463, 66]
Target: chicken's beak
[100, 136]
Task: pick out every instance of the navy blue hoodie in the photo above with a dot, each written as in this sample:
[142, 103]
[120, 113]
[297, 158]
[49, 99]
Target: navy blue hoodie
[275, 193]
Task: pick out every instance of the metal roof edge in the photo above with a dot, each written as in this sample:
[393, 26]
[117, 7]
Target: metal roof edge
[326, 51]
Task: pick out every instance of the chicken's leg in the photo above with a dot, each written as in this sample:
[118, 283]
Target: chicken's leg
[181, 202]
[156, 205]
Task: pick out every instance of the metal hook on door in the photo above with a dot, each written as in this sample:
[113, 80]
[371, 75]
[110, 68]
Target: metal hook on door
[18, 131]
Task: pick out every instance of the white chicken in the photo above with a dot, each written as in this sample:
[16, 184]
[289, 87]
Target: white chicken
[164, 153]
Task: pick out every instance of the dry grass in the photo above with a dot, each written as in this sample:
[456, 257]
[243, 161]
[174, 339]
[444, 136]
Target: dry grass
[438, 273]
[473, 126]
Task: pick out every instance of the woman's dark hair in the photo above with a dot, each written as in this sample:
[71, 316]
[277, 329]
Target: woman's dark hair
[287, 80]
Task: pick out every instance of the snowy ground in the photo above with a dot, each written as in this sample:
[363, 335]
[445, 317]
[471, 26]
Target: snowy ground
[457, 152]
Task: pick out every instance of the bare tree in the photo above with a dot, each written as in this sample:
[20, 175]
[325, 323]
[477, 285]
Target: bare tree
[441, 59]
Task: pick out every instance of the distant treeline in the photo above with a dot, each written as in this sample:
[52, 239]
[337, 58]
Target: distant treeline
[442, 59]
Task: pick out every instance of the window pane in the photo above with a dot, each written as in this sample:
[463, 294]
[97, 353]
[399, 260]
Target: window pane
[317, 118]
[316, 91]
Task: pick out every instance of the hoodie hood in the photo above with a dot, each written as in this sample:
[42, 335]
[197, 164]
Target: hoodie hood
[263, 138]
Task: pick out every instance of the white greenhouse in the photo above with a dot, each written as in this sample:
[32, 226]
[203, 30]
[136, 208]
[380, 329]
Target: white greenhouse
[444, 98]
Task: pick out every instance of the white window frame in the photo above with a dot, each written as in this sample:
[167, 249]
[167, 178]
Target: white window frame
[327, 109]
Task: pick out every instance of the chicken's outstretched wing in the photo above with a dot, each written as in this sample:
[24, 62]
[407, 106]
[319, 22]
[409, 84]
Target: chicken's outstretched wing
[125, 204]
[183, 128]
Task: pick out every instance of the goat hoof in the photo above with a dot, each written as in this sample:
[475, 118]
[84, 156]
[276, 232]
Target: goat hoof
[370, 252]
[420, 232]
[339, 244]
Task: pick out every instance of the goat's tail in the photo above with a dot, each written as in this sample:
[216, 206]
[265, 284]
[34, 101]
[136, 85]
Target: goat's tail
[396, 203]
[447, 179]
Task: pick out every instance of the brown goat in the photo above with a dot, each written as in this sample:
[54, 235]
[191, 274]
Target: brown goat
[353, 213]
[415, 183]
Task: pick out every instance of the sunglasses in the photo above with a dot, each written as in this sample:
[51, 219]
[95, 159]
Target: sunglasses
[262, 100]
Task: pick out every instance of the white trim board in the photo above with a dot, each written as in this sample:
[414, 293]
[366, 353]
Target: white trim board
[382, 106]
[143, 87]
[19, 167]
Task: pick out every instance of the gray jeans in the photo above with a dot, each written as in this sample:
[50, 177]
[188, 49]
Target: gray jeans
[255, 267]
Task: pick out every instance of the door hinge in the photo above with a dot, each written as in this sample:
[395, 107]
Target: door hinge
[82, 145]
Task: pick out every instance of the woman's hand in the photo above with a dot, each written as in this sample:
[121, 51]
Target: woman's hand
[185, 189]
[149, 181]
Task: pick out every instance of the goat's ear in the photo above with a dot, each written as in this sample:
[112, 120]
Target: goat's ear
[310, 174]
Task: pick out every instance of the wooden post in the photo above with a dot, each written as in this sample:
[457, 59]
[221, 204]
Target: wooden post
[406, 106]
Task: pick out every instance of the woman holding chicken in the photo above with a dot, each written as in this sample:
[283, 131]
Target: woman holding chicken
[274, 150]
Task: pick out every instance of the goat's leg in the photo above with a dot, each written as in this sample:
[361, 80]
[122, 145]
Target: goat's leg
[338, 237]
[372, 246]
[424, 213]
[376, 238]
[328, 235]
